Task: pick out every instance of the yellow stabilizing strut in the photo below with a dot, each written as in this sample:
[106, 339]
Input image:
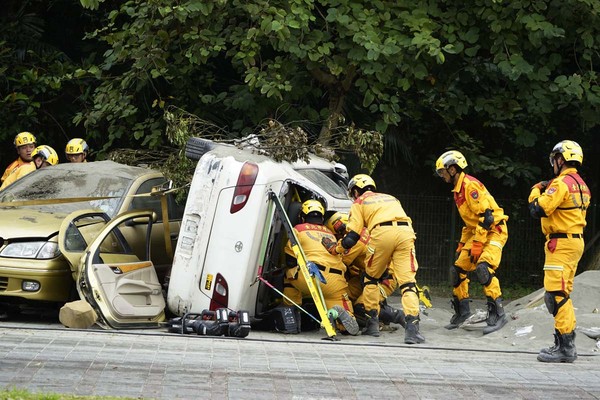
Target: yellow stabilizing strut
[424, 296]
[312, 282]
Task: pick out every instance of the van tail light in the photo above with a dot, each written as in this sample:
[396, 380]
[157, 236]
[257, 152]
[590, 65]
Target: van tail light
[220, 295]
[244, 186]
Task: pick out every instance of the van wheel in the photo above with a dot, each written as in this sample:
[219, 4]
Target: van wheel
[196, 147]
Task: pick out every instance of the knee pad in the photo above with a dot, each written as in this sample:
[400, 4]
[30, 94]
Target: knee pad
[369, 280]
[551, 304]
[483, 273]
[409, 287]
[455, 279]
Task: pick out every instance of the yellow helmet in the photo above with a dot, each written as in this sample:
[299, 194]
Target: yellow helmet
[24, 138]
[47, 153]
[76, 146]
[312, 206]
[449, 158]
[360, 181]
[570, 150]
[337, 222]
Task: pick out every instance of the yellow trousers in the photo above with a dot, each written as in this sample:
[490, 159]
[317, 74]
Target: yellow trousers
[492, 254]
[392, 246]
[560, 266]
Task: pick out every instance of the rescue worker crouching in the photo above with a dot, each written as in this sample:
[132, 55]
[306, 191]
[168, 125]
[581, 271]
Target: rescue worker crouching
[23, 165]
[335, 291]
[482, 239]
[391, 244]
[354, 259]
[561, 205]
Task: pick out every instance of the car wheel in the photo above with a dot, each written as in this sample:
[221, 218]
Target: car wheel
[197, 147]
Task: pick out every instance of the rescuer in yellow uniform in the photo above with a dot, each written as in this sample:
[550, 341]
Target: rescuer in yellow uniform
[392, 240]
[335, 290]
[561, 205]
[354, 259]
[482, 240]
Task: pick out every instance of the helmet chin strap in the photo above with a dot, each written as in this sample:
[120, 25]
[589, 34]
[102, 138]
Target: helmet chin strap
[559, 167]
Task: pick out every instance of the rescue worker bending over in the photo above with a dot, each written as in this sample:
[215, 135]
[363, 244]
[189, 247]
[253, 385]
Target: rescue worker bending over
[561, 205]
[44, 156]
[481, 241]
[392, 240]
[335, 291]
[354, 259]
[24, 144]
[76, 150]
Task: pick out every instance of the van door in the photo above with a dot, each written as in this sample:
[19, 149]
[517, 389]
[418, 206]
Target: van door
[123, 289]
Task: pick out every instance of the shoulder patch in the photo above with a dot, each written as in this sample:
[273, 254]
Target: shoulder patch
[474, 194]
[551, 190]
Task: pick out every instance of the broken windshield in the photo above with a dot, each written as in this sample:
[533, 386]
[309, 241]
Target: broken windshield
[324, 182]
[105, 186]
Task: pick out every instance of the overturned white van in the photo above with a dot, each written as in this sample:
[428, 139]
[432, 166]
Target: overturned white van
[230, 233]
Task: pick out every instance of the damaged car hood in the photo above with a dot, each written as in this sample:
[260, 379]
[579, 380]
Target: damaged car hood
[18, 223]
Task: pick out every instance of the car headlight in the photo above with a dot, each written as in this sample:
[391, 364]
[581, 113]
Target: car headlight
[41, 250]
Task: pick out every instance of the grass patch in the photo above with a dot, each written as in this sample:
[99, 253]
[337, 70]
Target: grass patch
[24, 394]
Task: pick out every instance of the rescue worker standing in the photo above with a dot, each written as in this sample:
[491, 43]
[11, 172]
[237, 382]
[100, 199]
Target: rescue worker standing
[76, 150]
[24, 144]
[392, 240]
[561, 205]
[481, 242]
[335, 291]
[354, 259]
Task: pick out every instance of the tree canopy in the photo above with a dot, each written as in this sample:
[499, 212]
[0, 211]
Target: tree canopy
[502, 81]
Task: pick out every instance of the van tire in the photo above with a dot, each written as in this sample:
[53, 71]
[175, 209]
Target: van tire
[196, 147]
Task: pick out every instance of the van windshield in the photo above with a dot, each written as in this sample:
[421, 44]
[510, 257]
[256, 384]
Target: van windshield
[332, 188]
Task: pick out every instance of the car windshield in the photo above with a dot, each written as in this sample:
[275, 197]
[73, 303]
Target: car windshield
[332, 188]
[71, 182]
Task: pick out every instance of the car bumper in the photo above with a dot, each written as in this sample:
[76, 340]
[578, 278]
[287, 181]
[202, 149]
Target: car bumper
[54, 278]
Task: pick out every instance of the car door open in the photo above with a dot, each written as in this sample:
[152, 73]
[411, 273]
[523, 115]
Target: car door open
[123, 289]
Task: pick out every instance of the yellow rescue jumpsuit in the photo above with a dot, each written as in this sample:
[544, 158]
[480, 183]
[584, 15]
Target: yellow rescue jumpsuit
[564, 202]
[472, 200]
[17, 173]
[13, 167]
[354, 258]
[391, 244]
[335, 291]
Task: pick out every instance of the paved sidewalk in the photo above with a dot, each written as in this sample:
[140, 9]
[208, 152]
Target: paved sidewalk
[159, 365]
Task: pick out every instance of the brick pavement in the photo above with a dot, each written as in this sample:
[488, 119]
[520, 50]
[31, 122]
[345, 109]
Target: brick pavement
[158, 365]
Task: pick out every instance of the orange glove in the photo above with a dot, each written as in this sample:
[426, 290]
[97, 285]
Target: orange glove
[460, 247]
[330, 245]
[476, 250]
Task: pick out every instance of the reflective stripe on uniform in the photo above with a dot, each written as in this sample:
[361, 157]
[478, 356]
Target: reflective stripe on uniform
[497, 244]
[553, 268]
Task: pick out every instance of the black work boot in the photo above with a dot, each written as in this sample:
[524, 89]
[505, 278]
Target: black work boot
[552, 349]
[462, 312]
[496, 318]
[360, 314]
[372, 327]
[389, 314]
[565, 352]
[411, 333]
[347, 320]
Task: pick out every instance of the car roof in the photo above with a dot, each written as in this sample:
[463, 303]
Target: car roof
[106, 167]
